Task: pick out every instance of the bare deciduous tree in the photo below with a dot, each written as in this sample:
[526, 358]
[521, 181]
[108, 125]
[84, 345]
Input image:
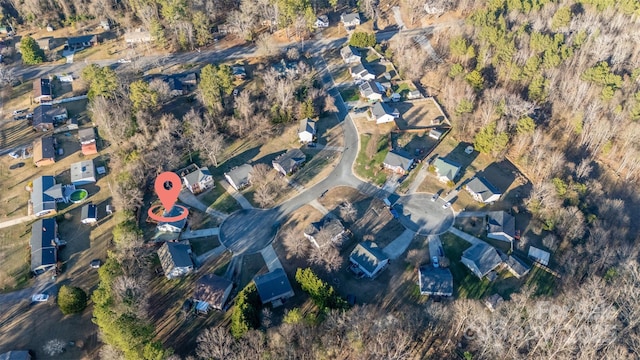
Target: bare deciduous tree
[53, 347]
[203, 136]
[161, 88]
[327, 257]
[215, 343]
[296, 244]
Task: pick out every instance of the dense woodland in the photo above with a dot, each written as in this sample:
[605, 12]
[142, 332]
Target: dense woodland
[552, 85]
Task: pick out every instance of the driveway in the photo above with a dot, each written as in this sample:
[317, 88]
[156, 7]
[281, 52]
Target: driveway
[16, 221]
[464, 236]
[398, 246]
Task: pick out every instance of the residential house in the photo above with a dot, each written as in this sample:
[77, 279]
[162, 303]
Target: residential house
[175, 86]
[137, 36]
[482, 190]
[105, 24]
[539, 255]
[436, 134]
[199, 181]
[501, 226]
[80, 42]
[83, 173]
[350, 21]
[88, 141]
[45, 194]
[517, 267]
[322, 21]
[44, 245]
[226, 29]
[239, 177]
[493, 301]
[350, 54]
[481, 259]
[307, 131]
[372, 90]
[289, 162]
[382, 113]
[435, 281]
[44, 151]
[446, 170]
[45, 116]
[212, 290]
[175, 259]
[273, 287]
[398, 161]
[172, 226]
[239, 72]
[42, 90]
[368, 259]
[89, 214]
[415, 94]
[46, 43]
[16, 355]
[325, 232]
[359, 72]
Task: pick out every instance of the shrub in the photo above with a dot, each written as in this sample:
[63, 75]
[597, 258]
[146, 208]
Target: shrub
[362, 39]
[322, 294]
[71, 300]
[245, 312]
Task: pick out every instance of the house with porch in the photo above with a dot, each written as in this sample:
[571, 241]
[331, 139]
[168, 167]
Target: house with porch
[326, 232]
[175, 259]
[273, 287]
[435, 281]
[307, 131]
[501, 226]
[321, 22]
[174, 227]
[239, 177]
[367, 259]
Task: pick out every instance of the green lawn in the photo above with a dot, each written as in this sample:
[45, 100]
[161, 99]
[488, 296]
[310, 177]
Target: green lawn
[202, 245]
[350, 94]
[220, 200]
[371, 168]
[542, 282]
[466, 285]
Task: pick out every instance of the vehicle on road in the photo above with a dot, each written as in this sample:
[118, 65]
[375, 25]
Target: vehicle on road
[359, 110]
[95, 263]
[40, 298]
[436, 263]
[446, 206]
[393, 212]
[124, 61]
[16, 166]
[435, 197]
[236, 92]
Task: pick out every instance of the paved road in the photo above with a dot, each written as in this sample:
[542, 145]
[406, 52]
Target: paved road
[200, 233]
[420, 214]
[418, 179]
[248, 231]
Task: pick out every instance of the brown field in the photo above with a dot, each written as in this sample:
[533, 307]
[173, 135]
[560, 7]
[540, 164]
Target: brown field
[422, 114]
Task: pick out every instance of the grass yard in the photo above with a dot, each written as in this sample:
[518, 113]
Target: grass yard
[350, 94]
[220, 200]
[466, 285]
[541, 281]
[204, 244]
[15, 255]
[370, 167]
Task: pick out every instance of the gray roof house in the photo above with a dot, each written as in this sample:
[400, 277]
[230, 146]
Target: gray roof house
[45, 193]
[45, 116]
[87, 135]
[83, 173]
[239, 177]
[482, 190]
[89, 214]
[501, 226]
[447, 170]
[372, 90]
[350, 21]
[307, 131]
[368, 259]
[289, 162]
[84, 41]
[325, 232]
[481, 259]
[517, 267]
[382, 113]
[350, 54]
[172, 226]
[273, 287]
[199, 180]
[44, 248]
[398, 161]
[213, 290]
[436, 281]
[175, 259]
[358, 71]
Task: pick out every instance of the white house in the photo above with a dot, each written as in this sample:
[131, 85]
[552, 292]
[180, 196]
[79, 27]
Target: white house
[368, 259]
[350, 21]
[322, 21]
[382, 113]
[359, 72]
[239, 177]
[199, 180]
[482, 190]
[325, 232]
[307, 131]
[175, 260]
[350, 54]
[172, 226]
[372, 90]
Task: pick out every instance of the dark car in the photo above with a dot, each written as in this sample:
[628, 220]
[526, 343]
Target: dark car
[16, 166]
[95, 263]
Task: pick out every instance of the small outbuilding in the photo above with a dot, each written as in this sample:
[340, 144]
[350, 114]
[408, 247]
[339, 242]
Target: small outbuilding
[83, 173]
[89, 214]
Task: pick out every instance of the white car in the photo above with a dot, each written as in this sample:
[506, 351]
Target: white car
[124, 61]
[40, 298]
[14, 155]
[435, 197]
[436, 263]
[446, 206]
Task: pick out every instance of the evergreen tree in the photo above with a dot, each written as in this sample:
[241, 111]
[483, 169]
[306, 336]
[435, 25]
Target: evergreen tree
[31, 52]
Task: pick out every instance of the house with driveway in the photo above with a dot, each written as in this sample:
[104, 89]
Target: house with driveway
[137, 36]
[435, 281]
[45, 194]
[501, 226]
[289, 162]
[367, 259]
[83, 173]
[239, 177]
[46, 116]
[172, 226]
[322, 21]
[198, 181]
[398, 161]
[273, 287]
[44, 151]
[383, 113]
[175, 259]
[446, 170]
[360, 72]
[44, 245]
[213, 291]
[307, 131]
[482, 190]
[326, 232]
[42, 90]
[81, 42]
[372, 90]
[481, 259]
[350, 21]
[350, 54]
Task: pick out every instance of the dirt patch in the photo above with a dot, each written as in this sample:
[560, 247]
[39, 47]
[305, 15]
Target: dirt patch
[366, 126]
[418, 144]
[421, 114]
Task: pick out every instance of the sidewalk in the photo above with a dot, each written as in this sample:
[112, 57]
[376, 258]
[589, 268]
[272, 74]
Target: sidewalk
[200, 233]
[271, 258]
[244, 203]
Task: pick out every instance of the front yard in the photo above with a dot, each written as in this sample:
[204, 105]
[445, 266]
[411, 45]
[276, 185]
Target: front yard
[368, 164]
[220, 200]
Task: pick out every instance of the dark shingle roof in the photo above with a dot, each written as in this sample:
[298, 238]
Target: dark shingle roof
[380, 109]
[44, 148]
[273, 285]
[398, 158]
[501, 221]
[435, 281]
[78, 40]
[290, 159]
[42, 242]
[87, 135]
[211, 288]
[89, 211]
[333, 227]
[517, 265]
[368, 255]
[240, 175]
[41, 87]
[481, 186]
[16, 355]
[175, 254]
[484, 256]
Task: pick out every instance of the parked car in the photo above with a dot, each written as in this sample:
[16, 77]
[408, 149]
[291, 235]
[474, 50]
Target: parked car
[14, 155]
[446, 206]
[40, 297]
[435, 197]
[436, 263]
[95, 263]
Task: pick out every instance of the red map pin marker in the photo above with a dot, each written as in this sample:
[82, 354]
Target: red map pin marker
[168, 188]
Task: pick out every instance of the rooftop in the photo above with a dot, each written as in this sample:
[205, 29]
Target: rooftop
[178, 254]
[307, 125]
[435, 281]
[399, 158]
[82, 170]
[483, 187]
[240, 174]
[447, 168]
[501, 221]
[211, 288]
[272, 285]
[368, 255]
[484, 256]
[198, 175]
